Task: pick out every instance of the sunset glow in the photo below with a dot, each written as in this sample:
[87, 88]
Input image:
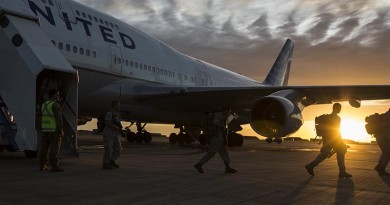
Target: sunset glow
[354, 130]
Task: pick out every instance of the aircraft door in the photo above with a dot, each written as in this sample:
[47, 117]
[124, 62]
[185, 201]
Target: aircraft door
[116, 59]
[66, 11]
[201, 79]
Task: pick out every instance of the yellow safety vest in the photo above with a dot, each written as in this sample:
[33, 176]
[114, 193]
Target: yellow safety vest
[49, 123]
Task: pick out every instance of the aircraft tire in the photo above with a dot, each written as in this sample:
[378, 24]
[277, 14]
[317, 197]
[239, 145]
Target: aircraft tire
[187, 139]
[239, 140]
[147, 137]
[173, 138]
[30, 153]
[269, 140]
[139, 137]
[180, 138]
[202, 139]
[232, 140]
[130, 137]
[279, 141]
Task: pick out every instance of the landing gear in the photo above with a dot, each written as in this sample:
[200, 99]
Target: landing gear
[173, 138]
[182, 138]
[277, 140]
[141, 136]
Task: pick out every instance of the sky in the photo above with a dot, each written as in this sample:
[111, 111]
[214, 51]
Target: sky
[336, 42]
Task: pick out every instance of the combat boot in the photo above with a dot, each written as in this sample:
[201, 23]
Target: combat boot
[345, 175]
[229, 170]
[107, 166]
[381, 171]
[199, 168]
[44, 168]
[310, 168]
[113, 164]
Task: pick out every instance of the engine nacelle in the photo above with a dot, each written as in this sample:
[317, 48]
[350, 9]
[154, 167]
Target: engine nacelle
[276, 116]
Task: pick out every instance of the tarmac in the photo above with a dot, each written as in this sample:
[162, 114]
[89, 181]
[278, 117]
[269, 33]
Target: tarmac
[160, 173]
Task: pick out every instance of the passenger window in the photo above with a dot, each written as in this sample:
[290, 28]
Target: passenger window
[131, 63]
[145, 67]
[119, 60]
[149, 68]
[44, 1]
[51, 3]
[179, 76]
[84, 15]
[60, 45]
[101, 21]
[117, 27]
[67, 47]
[82, 51]
[88, 52]
[154, 69]
[96, 20]
[90, 17]
[105, 22]
[94, 54]
[136, 65]
[140, 66]
[185, 77]
[112, 25]
[54, 43]
[78, 12]
[74, 49]
[165, 72]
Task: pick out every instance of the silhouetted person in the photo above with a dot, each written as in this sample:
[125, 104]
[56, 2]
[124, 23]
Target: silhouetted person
[218, 123]
[383, 140]
[112, 131]
[332, 140]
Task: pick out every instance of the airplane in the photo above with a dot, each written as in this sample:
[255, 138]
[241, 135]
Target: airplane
[93, 59]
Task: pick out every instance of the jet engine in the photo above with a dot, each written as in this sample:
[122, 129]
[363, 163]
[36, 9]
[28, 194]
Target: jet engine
[277, 116]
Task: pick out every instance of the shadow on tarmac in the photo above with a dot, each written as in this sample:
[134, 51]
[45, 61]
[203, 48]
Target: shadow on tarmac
[289, 198]
[345, 191]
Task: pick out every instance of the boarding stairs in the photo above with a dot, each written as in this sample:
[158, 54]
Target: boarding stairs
[28, 58]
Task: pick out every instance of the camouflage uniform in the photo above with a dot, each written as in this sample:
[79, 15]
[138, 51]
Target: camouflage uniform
[218, 141]
[112, 144]
[383, 140]
[333, 141]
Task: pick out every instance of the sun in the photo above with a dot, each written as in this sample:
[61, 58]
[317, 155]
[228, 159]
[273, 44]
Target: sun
[354, 130]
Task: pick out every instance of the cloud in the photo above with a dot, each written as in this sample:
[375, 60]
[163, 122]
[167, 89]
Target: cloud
[344, 40]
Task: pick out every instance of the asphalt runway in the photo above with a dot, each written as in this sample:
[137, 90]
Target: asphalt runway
[160, 173]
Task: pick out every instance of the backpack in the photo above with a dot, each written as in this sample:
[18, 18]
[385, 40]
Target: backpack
[323, 125]
[374, 123]
[101, 123]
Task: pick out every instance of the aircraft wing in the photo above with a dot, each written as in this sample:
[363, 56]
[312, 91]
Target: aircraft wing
[214, 98]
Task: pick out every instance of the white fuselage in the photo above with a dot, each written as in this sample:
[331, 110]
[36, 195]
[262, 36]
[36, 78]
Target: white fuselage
[110, 55]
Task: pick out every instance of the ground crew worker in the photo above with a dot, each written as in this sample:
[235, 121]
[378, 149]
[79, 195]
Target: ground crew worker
[383, 140]
[332, 140]
[112, 131]
[217, 142]
[52, 132]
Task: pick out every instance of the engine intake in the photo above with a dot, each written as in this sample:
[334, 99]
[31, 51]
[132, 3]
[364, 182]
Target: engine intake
[275, 116]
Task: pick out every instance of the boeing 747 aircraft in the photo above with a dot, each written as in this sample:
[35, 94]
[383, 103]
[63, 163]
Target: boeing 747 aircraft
[93, 59]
